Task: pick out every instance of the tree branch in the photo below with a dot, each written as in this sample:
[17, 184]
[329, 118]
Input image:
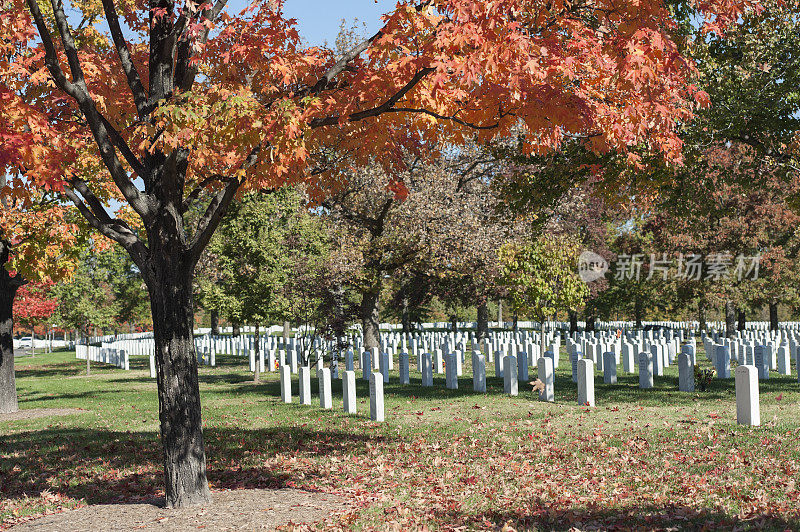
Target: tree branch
[216, 209]
[386, 106]
[98, 218]
[134, 81]
[80, 93]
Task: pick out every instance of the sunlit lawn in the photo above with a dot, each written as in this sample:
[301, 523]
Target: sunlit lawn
[650, 459]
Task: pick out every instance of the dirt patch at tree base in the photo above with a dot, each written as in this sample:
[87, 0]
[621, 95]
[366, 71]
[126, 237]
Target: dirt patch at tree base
[259, 509]
[33, 413]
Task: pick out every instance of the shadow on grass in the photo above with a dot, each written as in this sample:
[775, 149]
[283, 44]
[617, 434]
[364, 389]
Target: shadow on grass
[541, 514]
[109, 467]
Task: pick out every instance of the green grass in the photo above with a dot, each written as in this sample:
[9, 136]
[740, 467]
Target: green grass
[649, 459]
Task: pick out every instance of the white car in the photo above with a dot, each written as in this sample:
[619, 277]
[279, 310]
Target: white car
[24, 342]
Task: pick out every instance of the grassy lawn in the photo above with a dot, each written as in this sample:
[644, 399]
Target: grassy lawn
[452, 459]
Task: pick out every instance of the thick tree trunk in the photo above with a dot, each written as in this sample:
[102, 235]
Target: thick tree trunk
[170, 285]
[730, 319]
[454, 324]
[483, 321]
[370, 301]
[237, 329]
[573, 321]
[214, 322]
[515, 323]
[8, 385]
[773, 315]
[741, 318]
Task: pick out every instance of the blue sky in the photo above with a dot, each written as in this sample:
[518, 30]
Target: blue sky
[319, 20]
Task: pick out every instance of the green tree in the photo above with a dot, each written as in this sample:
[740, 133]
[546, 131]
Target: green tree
[542, 276]
[85, 301]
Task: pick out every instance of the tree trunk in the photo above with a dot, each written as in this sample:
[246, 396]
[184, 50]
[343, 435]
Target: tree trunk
[701, 315]
[237, 329]
[454, 324]
[8, 291]
[637, 311]
[500, 313]
[88, 362]
[515, 323]
[541, 339]
[287, 331]
[169, 282]
[483, 321]
[730, 319]
[573, 322]
[257, 376]
[370, 301]
[214, 322]
[773, 315]
[590, 325]
[742, 319]
[406, 318]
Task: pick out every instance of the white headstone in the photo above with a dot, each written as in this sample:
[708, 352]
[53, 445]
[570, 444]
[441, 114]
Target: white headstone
[574, 356]
[747, 400]
[478, 372]
[545, 367]
[152, 365]
[376, 397]
[404, 378]
[609, 368]
[689, 350]
[510, 376]
[685, 372]
[305, 385]
[325, 399]
[657, 359]
[286, 385]
[498, 364]
[722, 361]
[784, 365]
[522, 367]
[385, 367]
[427, 369]
[451, 371]
[585, 382]
[366, 365]
[438, 361]
[349, 392]
[645, 370]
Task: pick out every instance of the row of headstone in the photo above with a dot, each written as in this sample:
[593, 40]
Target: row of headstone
[349, 403]
[105, 355]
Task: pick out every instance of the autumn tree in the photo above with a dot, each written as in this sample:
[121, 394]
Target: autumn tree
[33, 305]
[190, 103]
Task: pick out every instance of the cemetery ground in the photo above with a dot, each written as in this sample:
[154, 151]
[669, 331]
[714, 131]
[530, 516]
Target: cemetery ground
[445, 459]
